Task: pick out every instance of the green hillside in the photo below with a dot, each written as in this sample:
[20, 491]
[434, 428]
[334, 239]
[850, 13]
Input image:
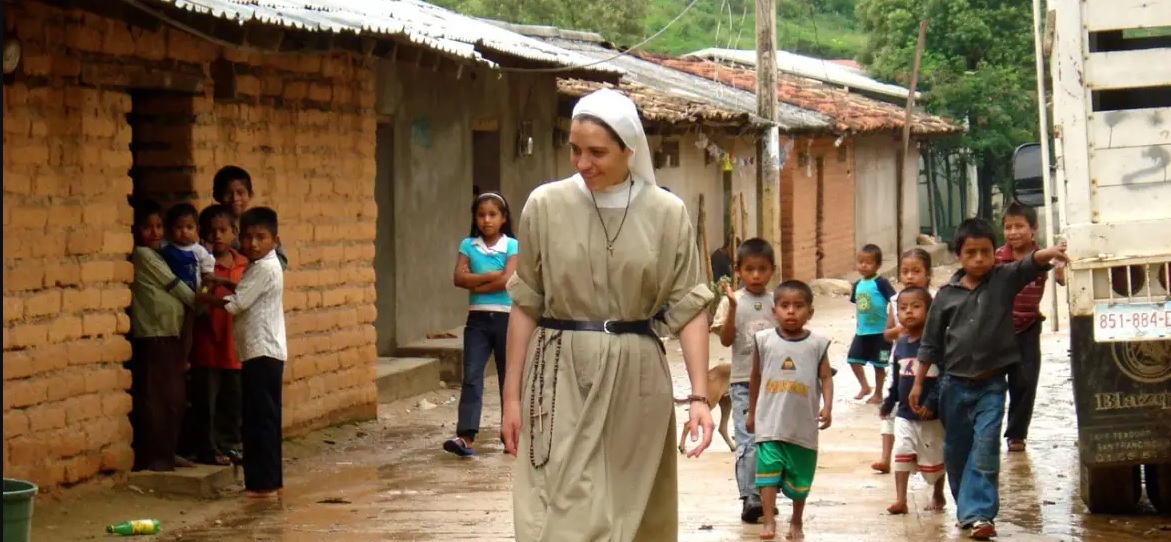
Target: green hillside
[822, 28]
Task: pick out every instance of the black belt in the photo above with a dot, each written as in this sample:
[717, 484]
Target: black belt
[611, 327]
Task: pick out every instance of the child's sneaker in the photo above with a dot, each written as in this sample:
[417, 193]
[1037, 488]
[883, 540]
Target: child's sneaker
[983, 530]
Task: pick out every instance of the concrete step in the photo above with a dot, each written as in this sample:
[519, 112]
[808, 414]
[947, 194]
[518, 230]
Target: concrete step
[448, 351]
[402, 377]
[201, 481]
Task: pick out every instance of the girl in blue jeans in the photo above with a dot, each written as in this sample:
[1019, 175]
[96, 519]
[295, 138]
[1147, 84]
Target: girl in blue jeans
[485, 262]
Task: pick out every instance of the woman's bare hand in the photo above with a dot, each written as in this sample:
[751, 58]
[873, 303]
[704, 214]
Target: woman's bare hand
[701, 417]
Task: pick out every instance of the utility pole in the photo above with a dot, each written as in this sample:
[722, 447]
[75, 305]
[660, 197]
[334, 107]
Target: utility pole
[768, 152]
[905, 157]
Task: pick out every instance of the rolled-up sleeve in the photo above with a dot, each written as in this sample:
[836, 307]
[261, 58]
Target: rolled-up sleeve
[150, 268]
[689, 295]
[526, 287]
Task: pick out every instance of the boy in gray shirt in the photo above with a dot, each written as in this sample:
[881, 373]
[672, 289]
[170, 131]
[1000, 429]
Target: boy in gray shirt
[741, 314]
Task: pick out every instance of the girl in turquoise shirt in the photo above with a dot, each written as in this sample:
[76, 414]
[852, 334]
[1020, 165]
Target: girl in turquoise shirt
[485, 262]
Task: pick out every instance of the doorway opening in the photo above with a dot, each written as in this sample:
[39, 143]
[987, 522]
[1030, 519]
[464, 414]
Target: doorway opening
[486, 160]
[820, 233]
[385, 338]
[161, 133]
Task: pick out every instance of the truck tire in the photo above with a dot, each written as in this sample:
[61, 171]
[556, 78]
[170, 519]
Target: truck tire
[1111, 490]
[1158, 479]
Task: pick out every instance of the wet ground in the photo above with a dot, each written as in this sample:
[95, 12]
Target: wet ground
[389, 480]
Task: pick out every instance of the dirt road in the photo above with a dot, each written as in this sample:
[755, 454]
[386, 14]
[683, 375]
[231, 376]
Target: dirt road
[389, 480]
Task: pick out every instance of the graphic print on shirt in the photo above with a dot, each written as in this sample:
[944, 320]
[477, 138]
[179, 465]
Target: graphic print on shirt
[787, 386]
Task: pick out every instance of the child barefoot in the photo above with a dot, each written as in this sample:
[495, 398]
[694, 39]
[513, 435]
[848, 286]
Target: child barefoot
[914, 271]
[918, 435]
[870, 296]
[790, 378]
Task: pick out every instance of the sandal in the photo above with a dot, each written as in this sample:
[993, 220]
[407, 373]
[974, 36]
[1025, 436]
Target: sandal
[1016, 445]
[458, 446]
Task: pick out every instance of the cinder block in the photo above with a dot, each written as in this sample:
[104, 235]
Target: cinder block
[202, 481]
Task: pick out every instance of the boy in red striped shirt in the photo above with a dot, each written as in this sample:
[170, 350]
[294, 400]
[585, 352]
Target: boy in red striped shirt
[1020, 230]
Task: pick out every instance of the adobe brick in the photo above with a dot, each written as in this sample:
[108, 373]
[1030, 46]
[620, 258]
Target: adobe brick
[49, 358]
[117, 457]
[82, 467]
[116, 404]
[83, 407]
[115, 349]
[117, 242]
[101, 214]
[13, 308]
[123, 323]
[83, 351]
[106, 431]
[366, 314]
[26, 336]
[45, 417]
[123, 272]
[15, 424]
[64, 328]
[103, 379]
[25, 450]
[68, 442]
[43, 303]
[28, 217]
[85, 241]
[64, 385]
[99, 272]
[18, 364]
[82, 299]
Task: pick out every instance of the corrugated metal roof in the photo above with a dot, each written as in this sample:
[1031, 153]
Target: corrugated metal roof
[424, 24]
[826, 71]
[673, 82]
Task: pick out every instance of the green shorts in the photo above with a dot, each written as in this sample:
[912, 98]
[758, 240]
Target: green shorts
[785, 465]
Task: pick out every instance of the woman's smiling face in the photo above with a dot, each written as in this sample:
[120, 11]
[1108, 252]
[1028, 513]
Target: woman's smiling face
[597, 156]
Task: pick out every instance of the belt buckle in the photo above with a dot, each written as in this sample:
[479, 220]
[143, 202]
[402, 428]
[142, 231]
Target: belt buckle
[606, 327]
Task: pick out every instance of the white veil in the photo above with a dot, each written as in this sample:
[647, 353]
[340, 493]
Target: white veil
[616, 110]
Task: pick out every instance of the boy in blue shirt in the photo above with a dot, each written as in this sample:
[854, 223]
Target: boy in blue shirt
[870, 295]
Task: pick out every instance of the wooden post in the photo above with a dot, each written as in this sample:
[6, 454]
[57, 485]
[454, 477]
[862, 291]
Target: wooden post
[902, 161]
[702, 232]
[768, 182]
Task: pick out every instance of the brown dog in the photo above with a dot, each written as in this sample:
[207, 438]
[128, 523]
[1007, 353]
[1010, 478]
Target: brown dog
[718, 379]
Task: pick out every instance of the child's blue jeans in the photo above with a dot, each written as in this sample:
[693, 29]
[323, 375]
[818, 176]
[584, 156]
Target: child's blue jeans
[972, 413]
[745, 445]
[484, 336]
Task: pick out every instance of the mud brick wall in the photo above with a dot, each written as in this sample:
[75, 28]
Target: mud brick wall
[799, 210]
[301, 124]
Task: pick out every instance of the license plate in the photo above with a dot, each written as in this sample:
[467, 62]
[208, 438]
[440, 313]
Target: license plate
[1122, 322]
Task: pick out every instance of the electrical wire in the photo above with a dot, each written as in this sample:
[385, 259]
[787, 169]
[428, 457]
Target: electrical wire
[607, 59]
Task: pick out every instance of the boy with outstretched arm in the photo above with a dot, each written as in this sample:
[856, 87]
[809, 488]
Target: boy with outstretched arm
[969, 336]
[791, 399]
[741, 314]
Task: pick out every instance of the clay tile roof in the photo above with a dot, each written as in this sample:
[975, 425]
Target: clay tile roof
[657, 106]
[848, 111]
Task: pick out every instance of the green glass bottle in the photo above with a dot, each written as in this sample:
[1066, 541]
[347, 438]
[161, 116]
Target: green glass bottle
[135, 527]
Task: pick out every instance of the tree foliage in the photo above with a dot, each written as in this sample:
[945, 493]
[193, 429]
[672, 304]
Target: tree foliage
[978, 65]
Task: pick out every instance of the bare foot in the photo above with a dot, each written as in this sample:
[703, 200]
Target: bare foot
[795, 532]
[769, 531]
[897, 508]
[936, 505]
[882, 468]
[875, 399]
[862, 394]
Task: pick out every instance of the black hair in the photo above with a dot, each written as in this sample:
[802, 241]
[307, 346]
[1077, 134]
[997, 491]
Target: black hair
[755, 247]
[211, 213]
[594, 119]
[263, 217]
[1017, 208]
[873, 250]
[916, 290]
[180, 210]
[144, 208]
[922, 256]
[794, 286]
[224, 177]
[501, 204]
[973, 228]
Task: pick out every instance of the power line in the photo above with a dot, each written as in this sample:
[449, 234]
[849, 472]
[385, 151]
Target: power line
[607, 59]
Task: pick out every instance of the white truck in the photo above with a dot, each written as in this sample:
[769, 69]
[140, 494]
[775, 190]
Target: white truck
[1110, 67]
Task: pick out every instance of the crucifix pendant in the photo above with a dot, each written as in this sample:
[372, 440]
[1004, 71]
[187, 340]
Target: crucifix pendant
[610, 247]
